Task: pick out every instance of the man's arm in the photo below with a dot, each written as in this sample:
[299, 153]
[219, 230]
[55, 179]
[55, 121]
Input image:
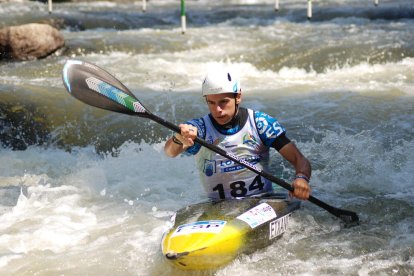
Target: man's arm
[303, 170]
[180, 142]
[172, 148]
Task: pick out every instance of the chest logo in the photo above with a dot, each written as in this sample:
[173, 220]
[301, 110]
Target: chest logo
[249, 140]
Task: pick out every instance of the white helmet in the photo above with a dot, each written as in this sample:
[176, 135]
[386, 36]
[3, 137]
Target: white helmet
[220, 81]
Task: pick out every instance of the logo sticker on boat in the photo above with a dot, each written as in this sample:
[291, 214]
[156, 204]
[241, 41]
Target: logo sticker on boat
[258, 215]
[210, 226]
[278, 227]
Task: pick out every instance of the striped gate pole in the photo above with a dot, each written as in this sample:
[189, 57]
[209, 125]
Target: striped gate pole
[144, 5]
[309, 9]
[183, 19]
[50, 6]
[276, 5]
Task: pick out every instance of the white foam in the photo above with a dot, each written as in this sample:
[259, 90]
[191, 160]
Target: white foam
[178, 74]
[49, 218]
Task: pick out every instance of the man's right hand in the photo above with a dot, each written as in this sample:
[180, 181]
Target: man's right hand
[187, 135]
[180, 142]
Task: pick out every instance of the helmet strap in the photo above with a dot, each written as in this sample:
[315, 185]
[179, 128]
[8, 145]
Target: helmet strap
[236, 106]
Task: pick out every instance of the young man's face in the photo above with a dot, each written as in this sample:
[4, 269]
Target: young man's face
[223, 106]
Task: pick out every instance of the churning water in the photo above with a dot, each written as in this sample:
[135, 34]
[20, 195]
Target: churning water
[87, 191]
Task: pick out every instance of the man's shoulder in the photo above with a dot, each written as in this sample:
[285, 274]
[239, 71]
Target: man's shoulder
[268, 127]
[196, 122]
[200, 124]
[262, 115]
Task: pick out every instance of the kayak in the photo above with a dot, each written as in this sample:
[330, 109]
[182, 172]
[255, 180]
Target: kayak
[211, 234]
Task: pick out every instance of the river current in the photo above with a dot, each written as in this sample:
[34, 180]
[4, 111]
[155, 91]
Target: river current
[89, 192]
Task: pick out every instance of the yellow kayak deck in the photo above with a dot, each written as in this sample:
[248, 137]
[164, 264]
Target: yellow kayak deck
[211, 234]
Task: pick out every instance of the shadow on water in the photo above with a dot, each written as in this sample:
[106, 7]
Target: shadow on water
[21, 126]
[63, 122]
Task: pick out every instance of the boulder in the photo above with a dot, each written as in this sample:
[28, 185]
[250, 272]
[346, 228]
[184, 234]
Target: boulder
[29, 41]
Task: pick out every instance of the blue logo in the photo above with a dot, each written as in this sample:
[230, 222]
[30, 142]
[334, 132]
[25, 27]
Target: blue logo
[209, 167]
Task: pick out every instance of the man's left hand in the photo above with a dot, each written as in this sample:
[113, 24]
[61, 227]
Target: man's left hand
[301, 189]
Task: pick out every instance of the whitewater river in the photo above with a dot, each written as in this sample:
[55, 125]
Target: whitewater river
[90, 192]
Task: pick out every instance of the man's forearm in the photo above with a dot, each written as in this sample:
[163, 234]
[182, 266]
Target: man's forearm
[172, 149]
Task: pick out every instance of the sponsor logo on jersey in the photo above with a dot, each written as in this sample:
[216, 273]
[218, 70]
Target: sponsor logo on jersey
[249, 140]
[268, 128]
[230, 146]
[231, 166]
[209, 167]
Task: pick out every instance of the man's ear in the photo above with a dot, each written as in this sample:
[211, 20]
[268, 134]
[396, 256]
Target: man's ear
[238, 98]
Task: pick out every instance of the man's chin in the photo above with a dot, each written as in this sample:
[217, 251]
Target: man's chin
[222, 121]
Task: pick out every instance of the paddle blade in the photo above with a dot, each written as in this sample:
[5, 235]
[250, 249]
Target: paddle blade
[96, 87]
[350, 218]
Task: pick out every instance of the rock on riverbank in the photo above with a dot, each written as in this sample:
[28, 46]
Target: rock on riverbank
[29, 41]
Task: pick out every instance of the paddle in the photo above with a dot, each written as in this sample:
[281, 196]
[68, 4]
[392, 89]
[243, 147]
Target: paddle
[94, 86]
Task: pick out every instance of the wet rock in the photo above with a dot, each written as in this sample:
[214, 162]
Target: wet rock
[29, 41]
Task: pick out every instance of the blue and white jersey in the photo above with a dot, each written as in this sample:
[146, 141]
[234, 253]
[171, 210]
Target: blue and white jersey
[223, 178]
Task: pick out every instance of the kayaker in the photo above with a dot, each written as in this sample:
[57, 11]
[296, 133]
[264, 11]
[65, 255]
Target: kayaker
[247, 133]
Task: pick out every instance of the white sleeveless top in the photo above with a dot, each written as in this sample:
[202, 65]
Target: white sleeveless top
[223, 178]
